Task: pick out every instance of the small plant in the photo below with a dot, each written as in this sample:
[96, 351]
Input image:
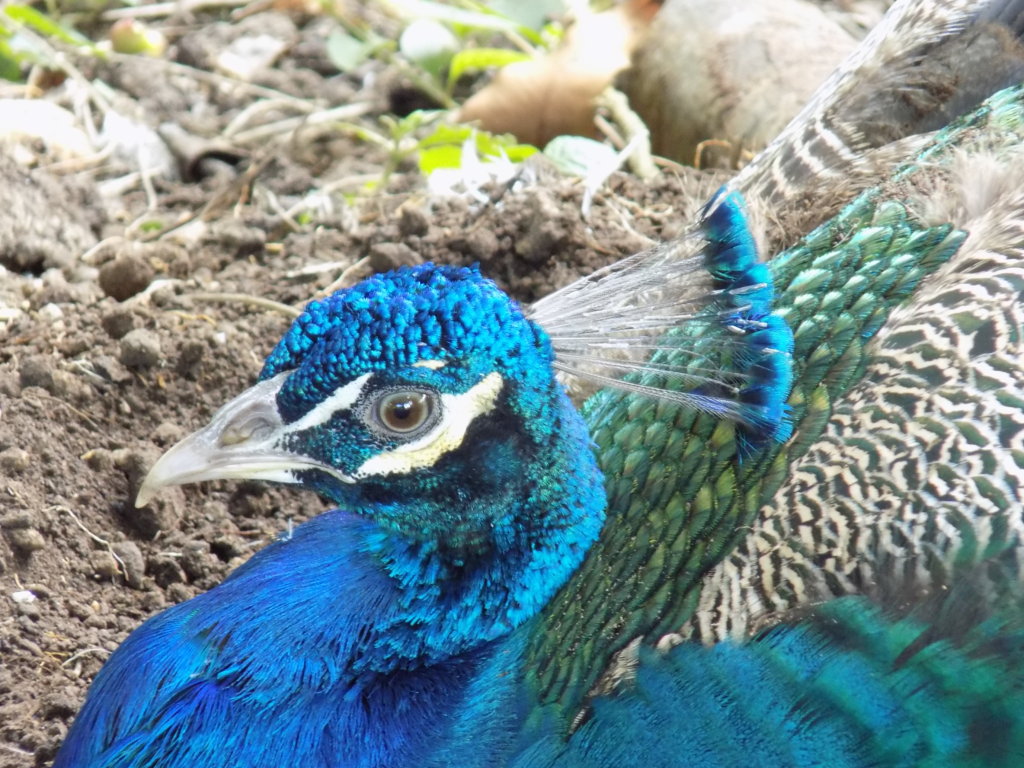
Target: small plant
[21, 28]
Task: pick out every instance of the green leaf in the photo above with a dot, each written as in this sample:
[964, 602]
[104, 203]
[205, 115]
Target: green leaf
[428, 43]
[46, 26]
[579, 156]
[517, 153]
[443, 147]
[10, 67]
[346, 51]
[459, 17]
[445, 133]
[529, 13]
[435, 158]
[473, 59]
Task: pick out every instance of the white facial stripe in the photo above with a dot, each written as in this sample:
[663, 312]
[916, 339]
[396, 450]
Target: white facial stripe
[459, 412]
[431, 364]
[321, 413]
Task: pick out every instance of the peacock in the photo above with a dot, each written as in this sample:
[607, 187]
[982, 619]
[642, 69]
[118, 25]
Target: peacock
[785, 530]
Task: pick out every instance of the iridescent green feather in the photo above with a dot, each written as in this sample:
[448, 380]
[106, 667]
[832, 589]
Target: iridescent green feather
[678, 498]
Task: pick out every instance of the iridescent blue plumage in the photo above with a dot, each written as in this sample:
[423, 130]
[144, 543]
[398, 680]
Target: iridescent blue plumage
[746, 284]
[812, 482]
[353, 641]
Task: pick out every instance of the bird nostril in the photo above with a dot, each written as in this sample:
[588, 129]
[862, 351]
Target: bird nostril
[234, 436]
[254, 429]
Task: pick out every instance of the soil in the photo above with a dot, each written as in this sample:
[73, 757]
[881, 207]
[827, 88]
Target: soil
[130, 311]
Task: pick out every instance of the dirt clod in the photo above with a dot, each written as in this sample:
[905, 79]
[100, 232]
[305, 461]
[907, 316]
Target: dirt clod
[14, 460]
[37, 372]
[125, 276]
[118, 322]
[190, 357]
[25, 541]
[131, 561]
[388, 256]
[165, 570]
[140, 349]
[412, 220]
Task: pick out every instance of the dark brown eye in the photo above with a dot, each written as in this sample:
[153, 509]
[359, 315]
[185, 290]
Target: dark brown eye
[404, 412]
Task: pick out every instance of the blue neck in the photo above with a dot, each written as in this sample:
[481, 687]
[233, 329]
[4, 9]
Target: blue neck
[469, 550]
[486, 548]
[354, 640]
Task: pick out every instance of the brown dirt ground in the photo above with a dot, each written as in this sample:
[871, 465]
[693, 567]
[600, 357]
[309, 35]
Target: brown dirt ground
[93, 388]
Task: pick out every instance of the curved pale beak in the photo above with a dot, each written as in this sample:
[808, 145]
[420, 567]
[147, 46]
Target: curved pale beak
[244, 440]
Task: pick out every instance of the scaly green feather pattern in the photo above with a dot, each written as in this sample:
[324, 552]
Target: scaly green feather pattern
[679, 499]
[917, 476]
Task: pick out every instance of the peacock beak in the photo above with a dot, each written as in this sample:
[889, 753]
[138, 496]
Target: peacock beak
[244, 440]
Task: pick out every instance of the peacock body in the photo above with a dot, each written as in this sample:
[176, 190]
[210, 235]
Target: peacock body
[790, 534]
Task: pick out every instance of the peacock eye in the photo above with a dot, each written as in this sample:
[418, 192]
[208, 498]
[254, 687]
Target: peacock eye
[402, 413]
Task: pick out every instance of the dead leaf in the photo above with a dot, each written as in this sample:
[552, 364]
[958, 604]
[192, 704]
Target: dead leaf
[553, 95]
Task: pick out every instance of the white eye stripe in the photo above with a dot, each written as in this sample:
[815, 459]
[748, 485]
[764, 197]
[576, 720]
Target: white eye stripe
[457, 413]
[340, 400]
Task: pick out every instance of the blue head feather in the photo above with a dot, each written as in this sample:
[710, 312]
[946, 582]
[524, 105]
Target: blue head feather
[395, 320]
[353, 640]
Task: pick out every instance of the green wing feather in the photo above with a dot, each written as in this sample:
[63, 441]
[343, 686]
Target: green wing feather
[680, 503]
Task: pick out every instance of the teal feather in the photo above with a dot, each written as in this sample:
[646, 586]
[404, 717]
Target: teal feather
[838, 689]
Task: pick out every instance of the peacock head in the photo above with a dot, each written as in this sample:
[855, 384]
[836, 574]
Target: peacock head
[414, 396]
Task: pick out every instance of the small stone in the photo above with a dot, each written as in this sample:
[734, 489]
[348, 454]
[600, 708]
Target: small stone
[481, 244]
[14, 460]
[167, 433]
[387, 256]
[118, 322]
[98, 622]
[99, 459]
[125, 276]
[152, 601]
[37, 372]
[39, 590]
[165, 571]
[76, 345]
[195, 559]
[103, 565]
[111, 369]
[412, 220]
[66, 385]
[178, 263]
[131, 558]
[226, 548]
[191, 355]
[135, 463]
[178, 593]
[58, 706]
[159, 515]
[140, 349]
[16, 520]
[51, 313]
[546, 233]
[10, 386]
[25, 541]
